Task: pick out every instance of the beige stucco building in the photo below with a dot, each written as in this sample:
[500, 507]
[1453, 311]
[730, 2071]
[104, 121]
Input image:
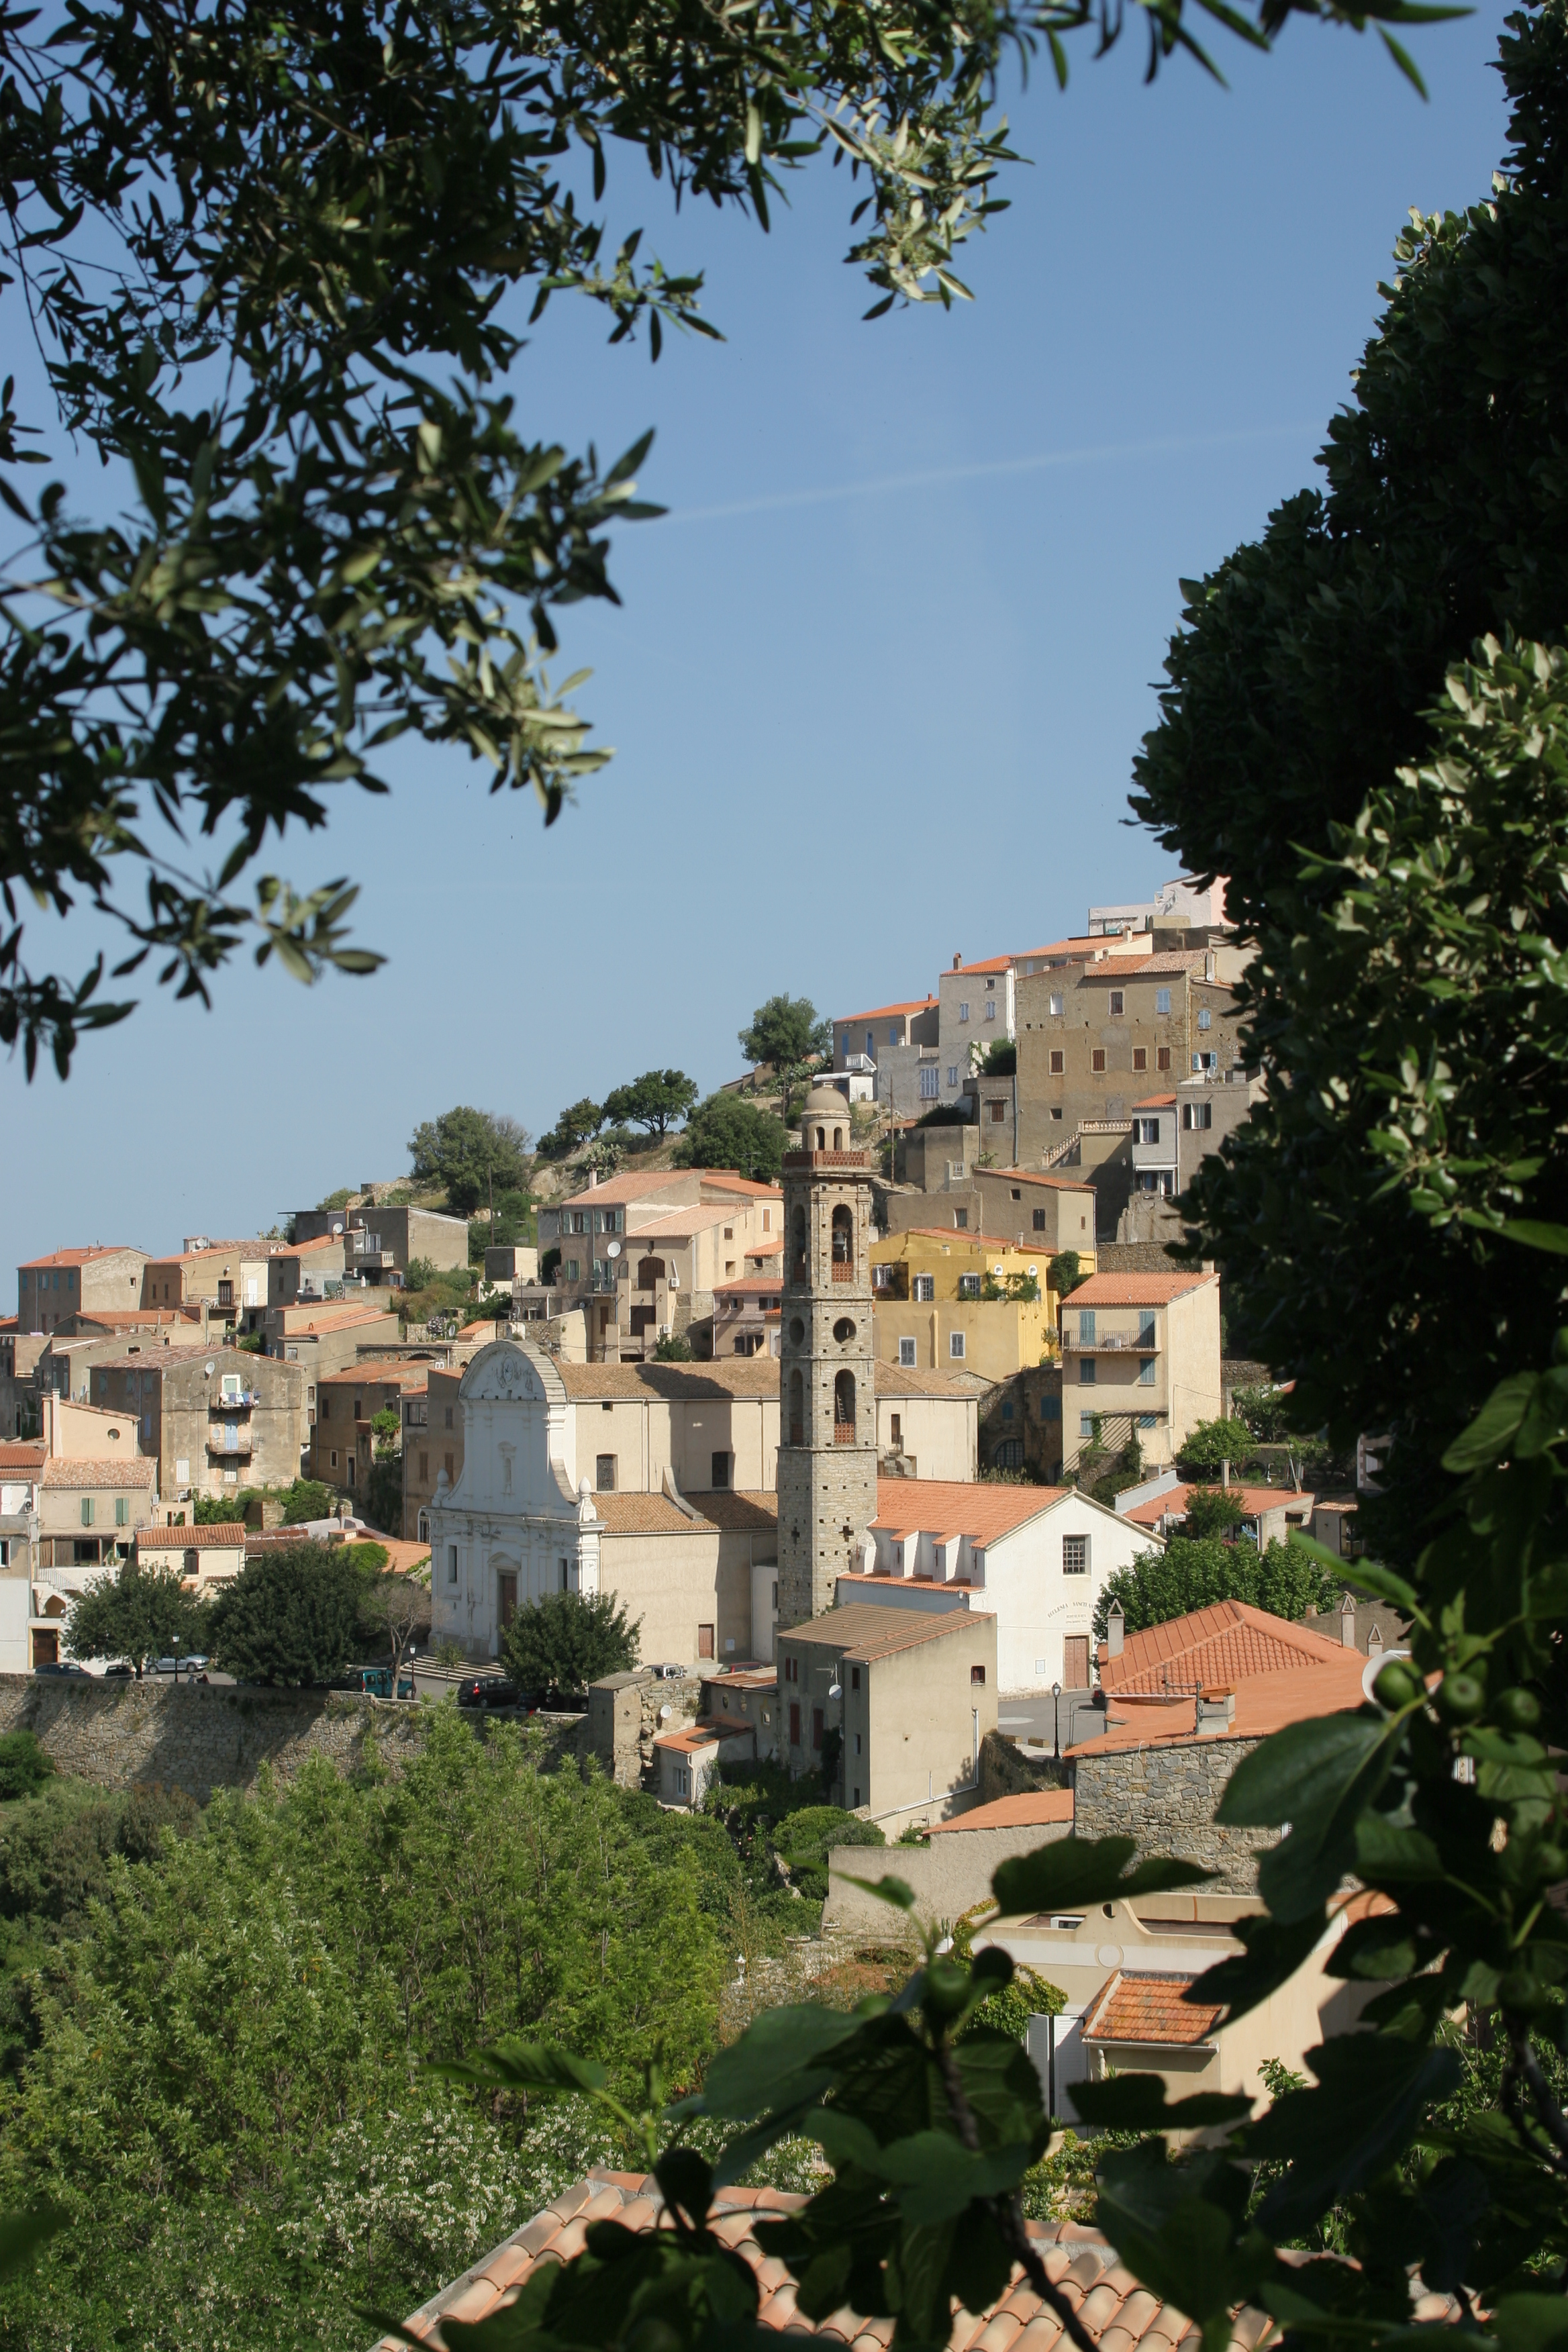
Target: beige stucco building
[204, 1557]
[955, 1302]
[644, 1253]
[213, 1418]
[342, 1444]
[911, 1695]
[1140, 1356]
[51, 1289]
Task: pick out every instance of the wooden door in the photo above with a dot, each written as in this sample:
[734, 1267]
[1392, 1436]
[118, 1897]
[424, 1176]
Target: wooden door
[507, 1580]
[1075, 1662]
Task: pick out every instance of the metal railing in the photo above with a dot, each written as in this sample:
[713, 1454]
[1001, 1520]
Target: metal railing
[1113, 1343]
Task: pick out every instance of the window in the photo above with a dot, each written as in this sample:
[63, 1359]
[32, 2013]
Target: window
[855, 1685]
[1118, 1002]
[792, 1670]
[1163, 1057]
[930, 1082]
[566, 1568]
[705, 1640]
[1075, 1555]
[121, 1511]
[333, 1459]
[1008, 1455]
[955, 1346]
[232, 1387]
[991, 1008]
[1147, 1419]
[1097, 1058]
[1057, 1065]
[1140, 1057]
[960, 1221]
[350, 1468]
[579, 1221]
[969, 1285]
[451, 1563]
[423, 1469]
[1161, 999]
[924, 1288]
[1206, 1061]
[1088, 1372]
[1145, 1326]
[794, 1722]
[998, 1109]
[573, 1269]
[720, 1471]
[963, 1012]
[1086, 1327]
[1039, 1220]
[1196, 1115]
[977, 1674]
[604, 1474]
[898, 1429]
[1205, 1018]
[1055, 1005]
[326, 1403]
[907, 1355]
[953, 1073]
[1146, 1371]
[1051, 1408]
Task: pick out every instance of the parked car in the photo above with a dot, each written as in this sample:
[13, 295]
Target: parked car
[170, 1665]
[375, 1682]
[59, 1666]
[488, 1690]
[119, 1672]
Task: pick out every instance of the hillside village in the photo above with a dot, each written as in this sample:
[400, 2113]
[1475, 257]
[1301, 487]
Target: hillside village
[879, 1451]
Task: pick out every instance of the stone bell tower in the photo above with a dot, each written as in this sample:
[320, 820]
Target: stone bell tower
[827, 1405]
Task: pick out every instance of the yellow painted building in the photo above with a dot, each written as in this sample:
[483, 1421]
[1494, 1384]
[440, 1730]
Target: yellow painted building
[952, 1302]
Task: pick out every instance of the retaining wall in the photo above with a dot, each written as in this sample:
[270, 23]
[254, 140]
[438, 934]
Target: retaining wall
[1166, 1798]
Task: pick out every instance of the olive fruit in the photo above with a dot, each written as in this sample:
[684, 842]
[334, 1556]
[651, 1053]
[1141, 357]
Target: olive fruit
[1397, 1686]
[1517, 1710]
[946, 1989]
[1461, 1697]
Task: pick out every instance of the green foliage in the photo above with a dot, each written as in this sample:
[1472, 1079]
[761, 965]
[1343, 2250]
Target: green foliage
[471, 1153]
[726, 1131]
[1215, 1442]
[290, 1616]
[393, 1615]
[658, 1100]
[806, 1837]
[1211, 1511]
[338, 1199]
[23, 1766]
[1263, 1410]
[567, 1640]
[1193, 1571]
[137, 1614]
[1065, 1273]
[309, 1498]
[1351, 735]
[572, 1130]
[672, 1348]
[217, 1510]
[219, 2078]
[1000, 1060]
[785, 1031]
[516, 1220]
[386, 1426]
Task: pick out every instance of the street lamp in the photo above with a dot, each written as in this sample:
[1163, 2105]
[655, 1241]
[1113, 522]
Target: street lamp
[176, 1658]
[1056, 1718]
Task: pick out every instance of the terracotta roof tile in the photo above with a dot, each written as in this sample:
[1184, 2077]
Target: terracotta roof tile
[1011, 1812]
[1253, 1499]
[81, 1257]
[1148, 2009]
[1135, 1289]
[136, 1470]
[867, 1628]
[22, 1457]
[884, 1011]
[224, 1535]
[1225, 1643]
[982, 1510]
[1034, 1176]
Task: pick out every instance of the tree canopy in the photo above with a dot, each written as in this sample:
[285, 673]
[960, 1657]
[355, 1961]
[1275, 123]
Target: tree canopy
[292, 1615]
[137, 1614]
[577, 1124]
[1213, 1442]
[658, 1100]
[472, 1153]
[1193, 1571]
[727, 1131]
[786, 1031]
[567, 1640]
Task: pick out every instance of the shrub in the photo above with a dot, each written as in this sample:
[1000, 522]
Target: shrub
[567, 1640]
[672, 1348]
[23, 1766]
[289, 1617]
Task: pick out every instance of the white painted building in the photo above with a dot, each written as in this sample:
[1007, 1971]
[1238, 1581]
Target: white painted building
[1036, 1558]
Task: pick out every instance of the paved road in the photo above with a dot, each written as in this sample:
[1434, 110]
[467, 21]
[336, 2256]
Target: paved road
[1031, 1714]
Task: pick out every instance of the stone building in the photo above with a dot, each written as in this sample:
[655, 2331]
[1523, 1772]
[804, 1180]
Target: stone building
[213, 1418]
[828, 1449]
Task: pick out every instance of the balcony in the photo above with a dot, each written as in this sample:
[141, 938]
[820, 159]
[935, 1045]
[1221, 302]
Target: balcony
[218, 1406]
[844, 1432]
[230, 1444]
[1114, 1343]
[827, 1159]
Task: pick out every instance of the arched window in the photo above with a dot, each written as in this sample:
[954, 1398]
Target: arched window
[844, 1409]
[797, 1253]
[838, 1138]
[649, 1271]
[821, 1139]
[843, 1243]
[192, 1561]
[796, 1408]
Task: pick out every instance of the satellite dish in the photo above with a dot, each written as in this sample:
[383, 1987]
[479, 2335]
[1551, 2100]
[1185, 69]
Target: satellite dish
[665, 1713]
[614, 1250]
[211, 1369]
[1034, 1270]
[835, 1690]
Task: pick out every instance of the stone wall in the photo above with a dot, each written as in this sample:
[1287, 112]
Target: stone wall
[1166, 1797]
[201, 1736]
[949, 1875]
[624, 1717]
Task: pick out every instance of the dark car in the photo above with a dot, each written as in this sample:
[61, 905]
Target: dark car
[58, 1667]
[560, 1702]
[488, 1690]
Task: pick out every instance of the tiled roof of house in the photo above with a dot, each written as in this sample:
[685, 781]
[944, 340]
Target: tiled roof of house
[1155, 1102]
[750, 1286]
[136, 1318]
[963, 1237]
[912, 1381]
[377, 1375]
[770, 1246]
[865, 1629]
[185, 1351]
[1252, 1499]
[81, 1257]
[1028, 1810]
[1149, 2009]
[329, 1319]
[737, 1510]
[678, 1223]
[1146, 967]
[884, 1011]
[135, 1470]
[731, 1180]
[693, 1736]
[223, 1535]
[644, 1514]
[23, 1457]
[983, 1510]
[1135, 1289]
[1122, 2315]
[1036, 1176]
[1222, 1644]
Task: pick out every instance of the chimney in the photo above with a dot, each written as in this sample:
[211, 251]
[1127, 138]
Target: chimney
[1217, 1709]
[592, 1180]
[1225, 1475]
[957, 963]
[1115, 1627]
[1347, 1621]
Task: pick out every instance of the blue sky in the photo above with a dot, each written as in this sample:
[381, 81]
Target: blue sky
[876, 684]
